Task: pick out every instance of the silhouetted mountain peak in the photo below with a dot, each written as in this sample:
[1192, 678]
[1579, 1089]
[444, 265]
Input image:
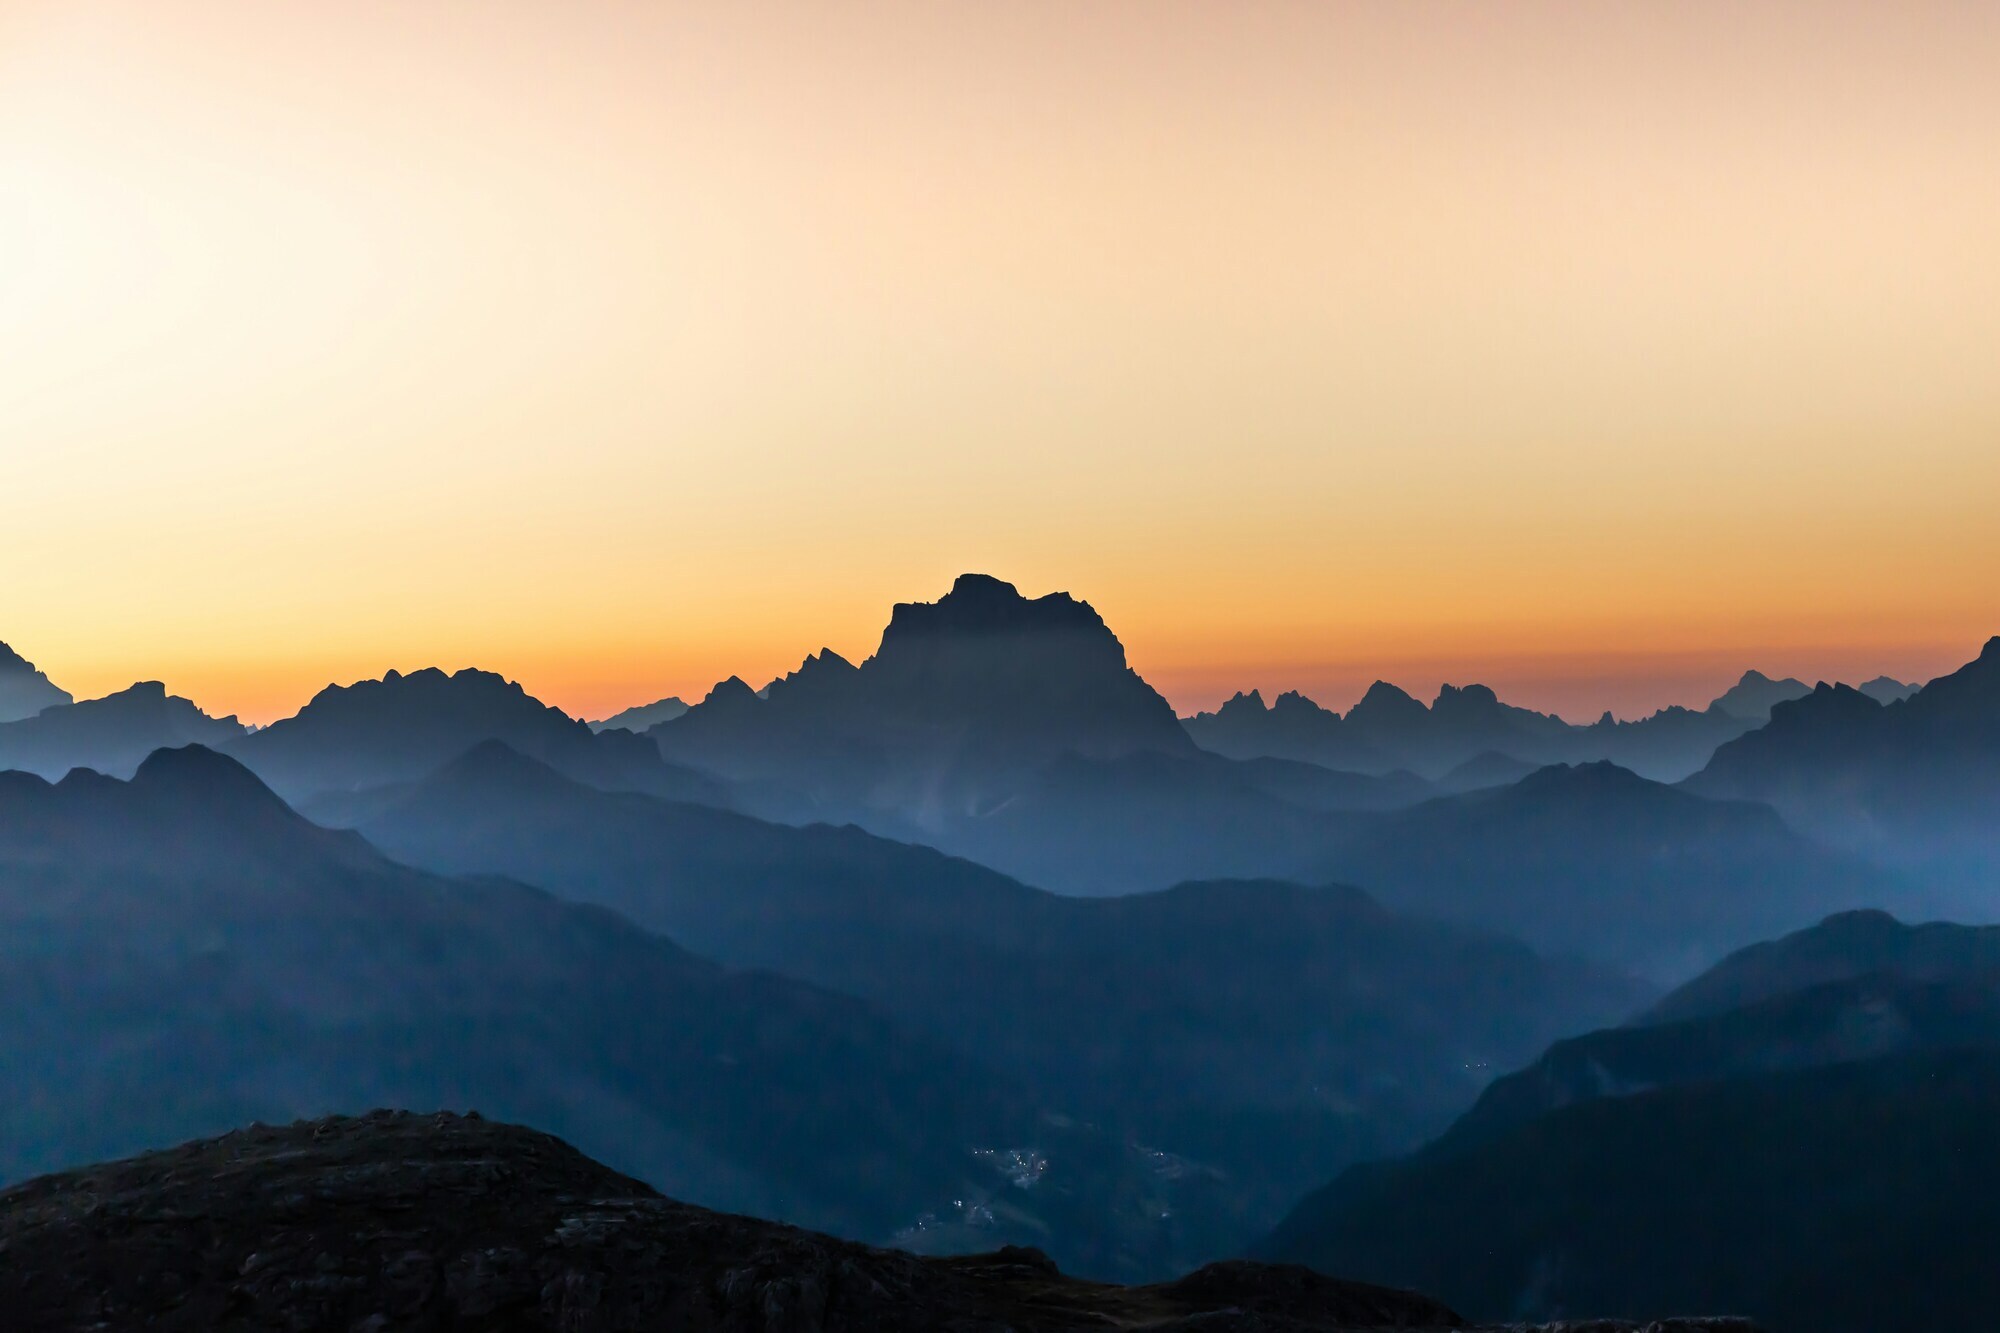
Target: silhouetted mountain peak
[1386, 704]
[1572, 780]
[980, 604]
[732, 693]
[1241, 703]
[1466, 696]
[1888, 690]
[644, 717]
[1293, 702]
[195, 774]
[495, 766]
[1753, 696]
[25, 691]
[404, 727]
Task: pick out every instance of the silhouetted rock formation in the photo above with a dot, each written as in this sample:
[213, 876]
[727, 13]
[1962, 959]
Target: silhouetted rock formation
[1596, 860]
[1818, 1155]
[1856, 1018]
[643, 717]
[442, 1222]
[1887, 690]
[963, 698]
[1753, 697]
[25, 691]
[1388, 729]
[1916, 782]
[1491, 769]
[1006, 728]
[111, 735]
[182, 952]
[402, 727]
[1307, 1025]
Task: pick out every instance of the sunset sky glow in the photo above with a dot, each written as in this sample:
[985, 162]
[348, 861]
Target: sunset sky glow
[1595, 350]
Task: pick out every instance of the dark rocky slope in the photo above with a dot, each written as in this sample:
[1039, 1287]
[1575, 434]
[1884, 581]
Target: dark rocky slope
[24, 690]
[397, 1221]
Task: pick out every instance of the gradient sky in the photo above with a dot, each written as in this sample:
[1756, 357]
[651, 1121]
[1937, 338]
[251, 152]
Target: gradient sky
[1594, 350]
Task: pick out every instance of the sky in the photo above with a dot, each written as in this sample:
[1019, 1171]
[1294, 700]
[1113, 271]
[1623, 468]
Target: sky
[1593, 350]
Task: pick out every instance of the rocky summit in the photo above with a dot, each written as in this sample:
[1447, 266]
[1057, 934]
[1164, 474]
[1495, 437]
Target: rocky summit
[396, 1221]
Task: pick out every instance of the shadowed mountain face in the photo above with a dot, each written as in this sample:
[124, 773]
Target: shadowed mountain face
[1805, 1124]
[400, 728]
[1844, 1199]
[496, 1226]
[182, 952]
[111, 735]
[1886, 690]
[24, 691]
[1915, 781]
[1386, 730]
[1599, 861]
[1261, 1028]
[1858, 1018]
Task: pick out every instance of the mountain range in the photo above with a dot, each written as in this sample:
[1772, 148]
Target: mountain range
[111, 735]
[25, 691]
[1389, 729]
[1596, 860]
[1914, 782]
[1800, 1134]
[402, 727]
[1252, 1027]
[183, 953]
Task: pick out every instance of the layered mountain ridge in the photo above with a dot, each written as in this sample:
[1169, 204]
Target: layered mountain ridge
[25, 690]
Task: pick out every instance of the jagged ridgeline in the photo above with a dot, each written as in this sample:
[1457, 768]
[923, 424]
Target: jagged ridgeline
[972, 942]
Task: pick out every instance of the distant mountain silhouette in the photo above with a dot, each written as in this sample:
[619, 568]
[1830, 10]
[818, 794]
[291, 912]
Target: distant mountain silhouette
[1808, 1125]
[182, 952]
[1388, 729]
[642, 717]
[1292, 727]
[25, 691]
[1596, 860]
[1887, 690]
[1841, 948]
[402, 727]
[1856, 1018]
[1012, 730]
[1915, 782]
[1753, 697]
[963, 698]
[1491, 769]
[111, 735]
[1257, 1026]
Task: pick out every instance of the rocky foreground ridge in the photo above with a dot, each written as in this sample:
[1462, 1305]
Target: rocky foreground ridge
[395, 1221]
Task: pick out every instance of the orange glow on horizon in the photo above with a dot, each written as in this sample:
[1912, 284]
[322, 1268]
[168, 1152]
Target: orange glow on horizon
[1594, 351]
